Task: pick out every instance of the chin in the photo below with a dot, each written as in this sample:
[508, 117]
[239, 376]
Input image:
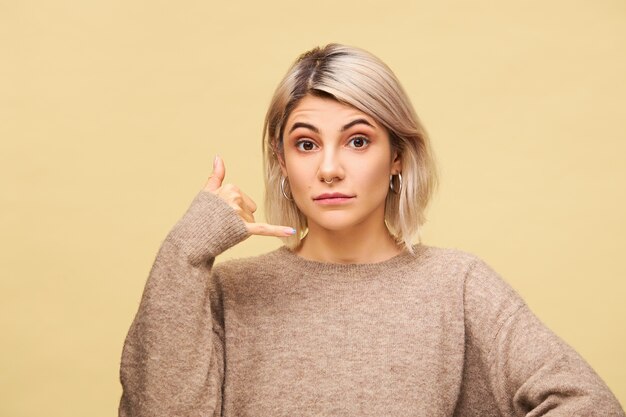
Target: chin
[334, 222]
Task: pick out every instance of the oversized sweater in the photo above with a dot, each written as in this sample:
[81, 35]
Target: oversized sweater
[434, 333]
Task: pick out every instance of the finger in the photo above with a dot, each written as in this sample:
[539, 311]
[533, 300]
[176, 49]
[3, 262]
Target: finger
[249, 203]
[264, 229]
[245, 215]
[217, 176]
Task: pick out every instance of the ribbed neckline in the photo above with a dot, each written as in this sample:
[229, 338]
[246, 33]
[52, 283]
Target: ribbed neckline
[316, 269]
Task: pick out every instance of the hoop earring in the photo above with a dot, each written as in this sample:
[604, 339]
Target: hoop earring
[282, 188]
[393, 187]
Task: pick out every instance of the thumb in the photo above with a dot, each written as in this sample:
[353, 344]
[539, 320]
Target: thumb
[217, 176]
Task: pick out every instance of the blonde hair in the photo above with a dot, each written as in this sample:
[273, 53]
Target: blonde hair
[355, 77]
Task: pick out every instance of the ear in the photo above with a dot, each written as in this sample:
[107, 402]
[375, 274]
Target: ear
[281, 161]
[396, 163]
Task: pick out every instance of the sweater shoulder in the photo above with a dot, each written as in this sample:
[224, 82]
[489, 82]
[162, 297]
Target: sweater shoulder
[447, 258]
[255, 263]
[474, 273]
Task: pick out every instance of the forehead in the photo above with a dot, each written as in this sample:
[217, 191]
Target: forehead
[326, 111]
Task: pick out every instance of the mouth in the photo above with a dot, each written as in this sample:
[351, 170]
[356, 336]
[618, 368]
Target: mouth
[333, 198]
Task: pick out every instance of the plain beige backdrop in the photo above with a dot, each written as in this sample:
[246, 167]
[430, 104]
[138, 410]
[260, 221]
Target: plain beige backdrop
[111, 113]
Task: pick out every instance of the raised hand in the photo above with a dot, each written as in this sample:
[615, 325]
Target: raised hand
[243, 205]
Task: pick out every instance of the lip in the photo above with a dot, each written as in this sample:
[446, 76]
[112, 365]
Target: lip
[333, 198]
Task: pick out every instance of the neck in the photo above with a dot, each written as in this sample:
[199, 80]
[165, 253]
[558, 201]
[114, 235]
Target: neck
[355, 246]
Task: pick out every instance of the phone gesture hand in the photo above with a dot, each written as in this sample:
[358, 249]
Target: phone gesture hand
[241, 203]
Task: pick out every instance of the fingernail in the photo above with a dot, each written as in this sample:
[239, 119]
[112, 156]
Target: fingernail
[291, 231]
[215, 161]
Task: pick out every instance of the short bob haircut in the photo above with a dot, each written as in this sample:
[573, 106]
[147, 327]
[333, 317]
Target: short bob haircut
[354, 77]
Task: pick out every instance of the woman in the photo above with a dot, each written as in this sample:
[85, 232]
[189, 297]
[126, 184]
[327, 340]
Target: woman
[349, 317]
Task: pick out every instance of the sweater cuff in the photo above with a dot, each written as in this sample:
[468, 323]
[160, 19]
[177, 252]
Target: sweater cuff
[208, 228]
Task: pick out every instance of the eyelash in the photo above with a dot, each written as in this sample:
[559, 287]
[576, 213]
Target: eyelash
[302, 142]
[365, 140]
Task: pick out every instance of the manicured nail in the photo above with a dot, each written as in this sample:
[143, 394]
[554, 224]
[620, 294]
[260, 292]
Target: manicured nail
[291, 231]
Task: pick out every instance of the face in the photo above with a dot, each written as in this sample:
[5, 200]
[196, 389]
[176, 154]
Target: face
[338, 161]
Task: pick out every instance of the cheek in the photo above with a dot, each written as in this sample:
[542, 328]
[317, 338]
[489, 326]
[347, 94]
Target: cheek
[376, 176]
[300, 175]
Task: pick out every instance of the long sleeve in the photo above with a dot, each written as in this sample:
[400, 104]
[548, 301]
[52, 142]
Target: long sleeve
[172, 360]
[531, 371]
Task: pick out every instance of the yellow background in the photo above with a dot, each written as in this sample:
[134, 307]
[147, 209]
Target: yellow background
[111, 112]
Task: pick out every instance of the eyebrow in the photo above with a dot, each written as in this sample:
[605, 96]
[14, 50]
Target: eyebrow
[343, 129]
[357, 122]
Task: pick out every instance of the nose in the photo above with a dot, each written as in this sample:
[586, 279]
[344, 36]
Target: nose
[330, 168]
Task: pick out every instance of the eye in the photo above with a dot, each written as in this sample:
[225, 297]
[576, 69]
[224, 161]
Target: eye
[358, 142]
[305, 145]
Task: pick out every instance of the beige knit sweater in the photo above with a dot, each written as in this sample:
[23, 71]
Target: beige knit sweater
[437, 333]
